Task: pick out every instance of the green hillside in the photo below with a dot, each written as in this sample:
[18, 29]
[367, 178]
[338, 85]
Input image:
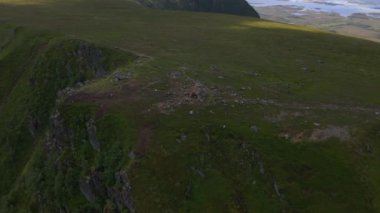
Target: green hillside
[107, 106]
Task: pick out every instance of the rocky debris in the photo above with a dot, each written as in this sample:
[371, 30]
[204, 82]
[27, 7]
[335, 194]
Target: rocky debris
[120, 76]
[198, 92]
[317, 135]
[68, 91]
[341, 133]
[188, 92]
[229, 95]
[91, 131]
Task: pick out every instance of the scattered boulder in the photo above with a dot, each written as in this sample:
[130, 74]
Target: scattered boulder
[132, 155]
[183, 136]
[176, 75]
[254, 129]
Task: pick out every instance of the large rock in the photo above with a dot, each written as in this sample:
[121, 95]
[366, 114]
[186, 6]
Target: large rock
[235, 7]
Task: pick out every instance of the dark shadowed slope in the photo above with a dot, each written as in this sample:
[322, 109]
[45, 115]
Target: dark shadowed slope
[235, 7]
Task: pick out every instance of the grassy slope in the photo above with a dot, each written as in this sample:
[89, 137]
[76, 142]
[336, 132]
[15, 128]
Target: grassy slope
[212, 170]
[236, 45]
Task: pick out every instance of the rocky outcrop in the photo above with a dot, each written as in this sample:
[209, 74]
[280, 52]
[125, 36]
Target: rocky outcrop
[121, 193]
[91, 131]
[119, 196]
[235, 7]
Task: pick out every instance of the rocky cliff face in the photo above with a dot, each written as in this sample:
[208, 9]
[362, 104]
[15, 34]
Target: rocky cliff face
[235, 7]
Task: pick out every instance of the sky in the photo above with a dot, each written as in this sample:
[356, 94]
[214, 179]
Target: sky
[342, 7]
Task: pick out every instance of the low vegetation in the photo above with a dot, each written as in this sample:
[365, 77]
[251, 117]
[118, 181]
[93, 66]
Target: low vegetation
[107, 106]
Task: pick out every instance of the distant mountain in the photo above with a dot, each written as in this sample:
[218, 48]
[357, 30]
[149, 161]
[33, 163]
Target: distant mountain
[235, 7]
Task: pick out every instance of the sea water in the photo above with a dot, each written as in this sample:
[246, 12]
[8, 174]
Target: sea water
[342, 7]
